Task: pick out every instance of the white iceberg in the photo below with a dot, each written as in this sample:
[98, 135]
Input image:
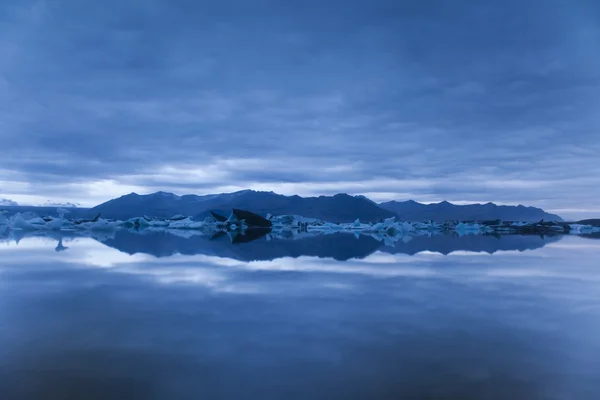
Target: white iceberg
[579, 229]
[99, 225]
[187, 223]
[21, 222]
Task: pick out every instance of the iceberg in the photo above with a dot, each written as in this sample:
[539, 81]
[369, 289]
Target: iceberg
[187, 223]
[21, 222]
[99, 225]
[357, 225]
[3, 218]
[56, 224]
[579, 229]
[472, 227]
[388, 230]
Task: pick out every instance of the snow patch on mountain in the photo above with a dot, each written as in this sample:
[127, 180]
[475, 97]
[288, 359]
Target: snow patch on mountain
[8, 203]
[59, 205]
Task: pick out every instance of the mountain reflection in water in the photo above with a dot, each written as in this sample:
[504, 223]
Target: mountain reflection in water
[261, 245]
[123, 316]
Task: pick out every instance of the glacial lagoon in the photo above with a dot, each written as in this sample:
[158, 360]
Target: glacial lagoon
[165, 316]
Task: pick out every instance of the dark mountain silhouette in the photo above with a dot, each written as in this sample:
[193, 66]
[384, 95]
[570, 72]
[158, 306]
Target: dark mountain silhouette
[338, 208]
[444, 211]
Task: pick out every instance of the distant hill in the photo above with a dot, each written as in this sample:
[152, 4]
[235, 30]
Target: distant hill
[61, 205]
[444, 211]
[338, 208]
[52, 211]
[8, 203]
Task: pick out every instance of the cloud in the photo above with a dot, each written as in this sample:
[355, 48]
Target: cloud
[200, 97]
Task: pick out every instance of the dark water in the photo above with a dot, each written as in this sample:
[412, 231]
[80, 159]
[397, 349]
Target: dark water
[431, 318]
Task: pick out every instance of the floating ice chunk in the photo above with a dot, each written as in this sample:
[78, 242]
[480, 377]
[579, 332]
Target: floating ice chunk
[4, 231]
[427, 225]
[28, 215]
[283, 219]
[61, 212]
[187, 223]
[407, 227]
[56, 224]
[100, 225]
[18, 222]
[472, 228]
[158, 223]
[3, 218]
[579, 229]
[377, 227]
[464, 227]
[331, 226]
[37, 221]
[232, 218]
[307, 220]
[356, 225]
[519, 223]
[136, 222]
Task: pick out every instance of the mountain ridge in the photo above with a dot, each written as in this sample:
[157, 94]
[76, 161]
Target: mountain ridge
[340, 207]
[414, 211]
[8, 203]
[49, 204]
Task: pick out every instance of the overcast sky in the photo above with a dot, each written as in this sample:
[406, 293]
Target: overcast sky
[465, 101]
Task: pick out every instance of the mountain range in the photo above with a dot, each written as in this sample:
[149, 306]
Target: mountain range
[338, 208]
[8, 203]
[62, 205]
[412, 211]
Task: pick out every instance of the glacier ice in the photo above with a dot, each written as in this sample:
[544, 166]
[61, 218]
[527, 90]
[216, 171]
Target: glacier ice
[388, 231]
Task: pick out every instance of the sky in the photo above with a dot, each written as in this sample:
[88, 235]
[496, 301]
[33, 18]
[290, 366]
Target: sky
[431, 100]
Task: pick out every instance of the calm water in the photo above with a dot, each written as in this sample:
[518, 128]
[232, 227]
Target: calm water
[166, 317]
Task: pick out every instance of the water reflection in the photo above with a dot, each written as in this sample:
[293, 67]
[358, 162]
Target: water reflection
[97, 322]
[259, 245]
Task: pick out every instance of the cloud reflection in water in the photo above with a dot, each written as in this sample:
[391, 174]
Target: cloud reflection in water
[93, 321]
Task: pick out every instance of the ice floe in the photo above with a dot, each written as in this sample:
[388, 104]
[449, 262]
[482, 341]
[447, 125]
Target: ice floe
[281, 226]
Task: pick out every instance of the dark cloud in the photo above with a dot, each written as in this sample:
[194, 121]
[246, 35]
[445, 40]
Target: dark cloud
[380, 90]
